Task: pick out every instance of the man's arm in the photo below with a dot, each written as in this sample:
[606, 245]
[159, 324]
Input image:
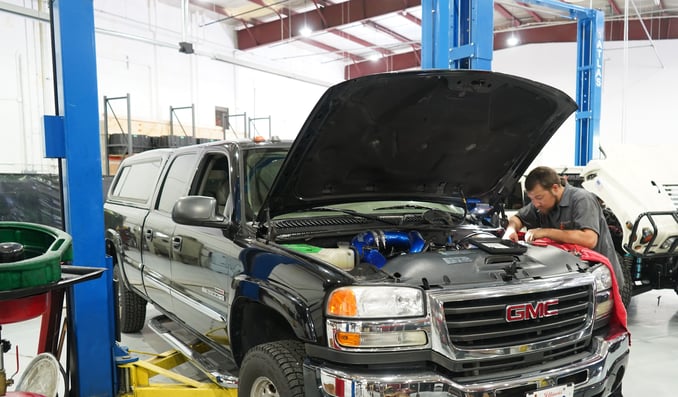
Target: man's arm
[584, 237]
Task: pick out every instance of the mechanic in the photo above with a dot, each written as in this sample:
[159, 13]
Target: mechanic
[565, 214]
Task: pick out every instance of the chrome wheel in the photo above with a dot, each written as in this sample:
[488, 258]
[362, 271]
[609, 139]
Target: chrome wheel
[264, 387]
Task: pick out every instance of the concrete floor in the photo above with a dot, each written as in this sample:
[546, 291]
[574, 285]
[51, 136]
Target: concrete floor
[653, 322]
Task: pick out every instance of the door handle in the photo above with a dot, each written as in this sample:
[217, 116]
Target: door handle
[148, 234]
[176, 243]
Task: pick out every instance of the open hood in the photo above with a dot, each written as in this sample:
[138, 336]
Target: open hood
[431, 135]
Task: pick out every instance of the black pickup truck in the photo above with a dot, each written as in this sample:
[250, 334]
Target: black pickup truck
[345, 263]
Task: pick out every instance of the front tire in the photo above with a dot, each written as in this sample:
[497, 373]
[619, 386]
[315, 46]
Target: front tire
[625, 290]
[273, 370]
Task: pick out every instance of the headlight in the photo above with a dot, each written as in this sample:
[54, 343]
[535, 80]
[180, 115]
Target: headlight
[376, 318]
[668, 243]
[603, 278]
[375, 302]
[604, 301]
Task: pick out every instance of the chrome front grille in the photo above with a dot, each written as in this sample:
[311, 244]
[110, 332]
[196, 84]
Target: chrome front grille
[672, 191]
[482, 323]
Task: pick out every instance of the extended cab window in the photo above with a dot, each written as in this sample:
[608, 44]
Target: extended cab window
[136, 181]
[177, 181]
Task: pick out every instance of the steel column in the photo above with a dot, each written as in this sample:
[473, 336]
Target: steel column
[91, 303]
[590, 36]
[457, 34]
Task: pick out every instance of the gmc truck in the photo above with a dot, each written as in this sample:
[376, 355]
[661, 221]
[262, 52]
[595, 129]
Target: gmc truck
[346, 263]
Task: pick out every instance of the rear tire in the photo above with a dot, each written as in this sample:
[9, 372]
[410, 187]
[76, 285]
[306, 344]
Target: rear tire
[273, 370]
[131, 307]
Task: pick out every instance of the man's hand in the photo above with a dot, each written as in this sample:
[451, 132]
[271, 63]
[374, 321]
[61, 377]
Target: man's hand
[510, 234]
[534, 234]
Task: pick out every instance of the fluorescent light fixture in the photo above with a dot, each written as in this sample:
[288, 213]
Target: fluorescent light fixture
[512, 40]
[305, 31]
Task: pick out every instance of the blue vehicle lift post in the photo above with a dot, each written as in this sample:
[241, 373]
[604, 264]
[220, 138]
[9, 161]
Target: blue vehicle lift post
[458, 34]
[73, 135]
[590, 36]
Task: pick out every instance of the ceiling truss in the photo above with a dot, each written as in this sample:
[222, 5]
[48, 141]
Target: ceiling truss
[264, 23]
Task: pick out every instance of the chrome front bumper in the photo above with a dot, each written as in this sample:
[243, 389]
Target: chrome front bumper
[597, 375]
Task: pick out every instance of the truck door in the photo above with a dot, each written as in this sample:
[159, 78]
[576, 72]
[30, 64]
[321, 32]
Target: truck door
[159, 228]
[204, 259]
[127, 205]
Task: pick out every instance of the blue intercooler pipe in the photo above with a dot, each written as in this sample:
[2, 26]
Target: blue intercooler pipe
[370, 245]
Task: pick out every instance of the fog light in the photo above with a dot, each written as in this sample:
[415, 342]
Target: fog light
[604, 304]
[381, 339]
[647, 236]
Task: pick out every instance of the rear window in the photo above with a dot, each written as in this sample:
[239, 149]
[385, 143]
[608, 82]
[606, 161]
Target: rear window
[136, 181]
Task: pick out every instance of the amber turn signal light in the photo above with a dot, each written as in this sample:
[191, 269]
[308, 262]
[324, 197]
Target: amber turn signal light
[342, 302]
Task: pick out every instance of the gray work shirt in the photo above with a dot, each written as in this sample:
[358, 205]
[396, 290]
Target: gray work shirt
[578, 209]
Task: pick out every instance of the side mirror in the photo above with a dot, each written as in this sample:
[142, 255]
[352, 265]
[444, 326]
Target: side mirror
[197, 211]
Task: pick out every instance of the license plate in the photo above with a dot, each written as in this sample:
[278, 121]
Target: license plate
[557, 391]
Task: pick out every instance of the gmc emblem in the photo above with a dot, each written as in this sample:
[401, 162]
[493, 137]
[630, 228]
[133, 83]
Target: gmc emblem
[528, 311]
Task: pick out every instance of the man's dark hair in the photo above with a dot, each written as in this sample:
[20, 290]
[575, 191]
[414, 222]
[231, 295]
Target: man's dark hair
[545, 177]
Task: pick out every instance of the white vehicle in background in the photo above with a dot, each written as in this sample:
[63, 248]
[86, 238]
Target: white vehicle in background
[638, 186]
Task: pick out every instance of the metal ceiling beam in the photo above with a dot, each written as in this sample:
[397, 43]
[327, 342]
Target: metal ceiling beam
[562, 33]
[615, 7]
[211, 7]
[386, 64]
[332, 16]
[535, 15]
[410, 17]
[384, 29]
[329, 48]
[284, 10]
[360, 41]
[291, 13]
[507, 14]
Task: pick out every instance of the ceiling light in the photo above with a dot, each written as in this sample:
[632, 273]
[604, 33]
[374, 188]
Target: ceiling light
[375, 57]
[305, 31]
[512, 40]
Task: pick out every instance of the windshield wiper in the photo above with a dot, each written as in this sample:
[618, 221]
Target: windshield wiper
[355, 213]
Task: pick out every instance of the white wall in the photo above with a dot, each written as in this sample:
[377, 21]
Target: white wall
[25, 94]
[641, 111]
[137, 53]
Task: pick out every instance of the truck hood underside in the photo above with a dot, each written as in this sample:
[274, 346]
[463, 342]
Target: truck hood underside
[433, 135]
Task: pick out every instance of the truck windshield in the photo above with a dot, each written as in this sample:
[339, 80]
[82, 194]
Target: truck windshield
[261, 168]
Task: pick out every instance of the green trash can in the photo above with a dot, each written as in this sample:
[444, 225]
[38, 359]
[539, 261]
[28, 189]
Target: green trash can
[31, 254]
